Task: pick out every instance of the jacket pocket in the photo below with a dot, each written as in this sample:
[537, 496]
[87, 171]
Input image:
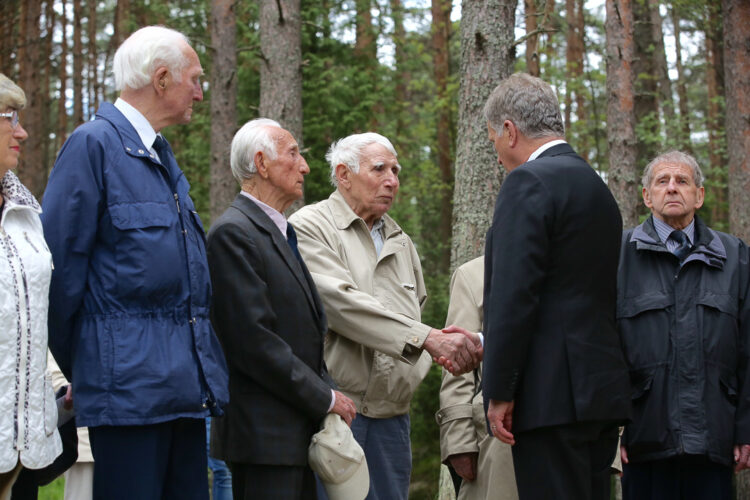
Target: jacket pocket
[649, 430]
[644, 323]
[148, 248]
[717, 321]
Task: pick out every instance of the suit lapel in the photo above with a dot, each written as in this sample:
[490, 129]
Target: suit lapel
[265, 224]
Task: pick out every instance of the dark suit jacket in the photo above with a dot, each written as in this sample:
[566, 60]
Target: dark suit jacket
[270, 321]
[549, 299]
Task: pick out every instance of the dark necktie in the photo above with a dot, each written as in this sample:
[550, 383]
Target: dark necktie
[683, 245]
[160, 146]
[291, 238]
[167, 158]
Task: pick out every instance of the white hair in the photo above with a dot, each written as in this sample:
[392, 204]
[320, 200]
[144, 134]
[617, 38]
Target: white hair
[347, 151]
[144, 51]
[675, 157]
[254, 136]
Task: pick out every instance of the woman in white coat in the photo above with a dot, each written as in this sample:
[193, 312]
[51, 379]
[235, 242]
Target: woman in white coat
[28, 413]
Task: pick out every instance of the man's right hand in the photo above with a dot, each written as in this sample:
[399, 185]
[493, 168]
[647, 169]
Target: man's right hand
[458, 350]
[345, 407]
[465, 465]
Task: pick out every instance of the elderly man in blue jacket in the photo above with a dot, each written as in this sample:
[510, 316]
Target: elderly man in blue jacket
[130, 293]
[683, 311]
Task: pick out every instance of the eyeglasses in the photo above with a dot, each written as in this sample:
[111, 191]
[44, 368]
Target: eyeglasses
[12, 116]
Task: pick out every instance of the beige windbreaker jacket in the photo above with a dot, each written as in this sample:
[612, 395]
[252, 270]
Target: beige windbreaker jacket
[374, 344]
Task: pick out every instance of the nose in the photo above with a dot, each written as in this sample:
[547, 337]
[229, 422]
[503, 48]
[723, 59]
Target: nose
[20, 133]
[391, 180]
[304, 168]
[198, 92]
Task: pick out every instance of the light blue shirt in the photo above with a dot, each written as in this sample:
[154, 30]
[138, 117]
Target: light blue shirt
[664, 230]
[376, 233]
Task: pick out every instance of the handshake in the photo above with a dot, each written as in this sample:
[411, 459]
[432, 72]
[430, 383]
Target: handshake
[454, 348]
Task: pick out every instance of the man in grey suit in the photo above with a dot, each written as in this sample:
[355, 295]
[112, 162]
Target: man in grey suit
[270, 321]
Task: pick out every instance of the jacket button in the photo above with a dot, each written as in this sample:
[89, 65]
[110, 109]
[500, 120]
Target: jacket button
[364, 410]
[205, 405]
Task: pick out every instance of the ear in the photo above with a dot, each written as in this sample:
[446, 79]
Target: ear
[701, 196]
[510, 127]
[160, 79]
[260, 165]
[647, 198]
[343, 175]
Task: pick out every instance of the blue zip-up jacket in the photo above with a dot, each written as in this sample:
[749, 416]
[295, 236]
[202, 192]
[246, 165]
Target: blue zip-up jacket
[130, 294]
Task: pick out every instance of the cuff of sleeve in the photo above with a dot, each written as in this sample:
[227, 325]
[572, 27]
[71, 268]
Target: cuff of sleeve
[414, 341]
[454, 412]
[333, 401]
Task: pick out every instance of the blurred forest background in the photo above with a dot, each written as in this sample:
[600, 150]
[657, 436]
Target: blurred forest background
[635, 77]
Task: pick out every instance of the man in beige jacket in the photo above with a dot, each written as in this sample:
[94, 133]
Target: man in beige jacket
[485, 464]
[368, 274]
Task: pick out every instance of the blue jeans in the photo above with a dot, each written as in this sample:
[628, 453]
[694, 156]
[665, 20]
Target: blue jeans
[222, 478]
[387, 447]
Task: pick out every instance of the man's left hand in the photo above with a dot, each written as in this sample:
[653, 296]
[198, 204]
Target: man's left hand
[741, 457]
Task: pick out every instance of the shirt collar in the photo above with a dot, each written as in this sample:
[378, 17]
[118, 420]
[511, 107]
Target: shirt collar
[664, 230]
[544, 147]
[277, 217]
[139, 122]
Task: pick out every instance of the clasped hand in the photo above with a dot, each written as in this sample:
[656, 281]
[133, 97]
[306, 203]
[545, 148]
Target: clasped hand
[456, 349]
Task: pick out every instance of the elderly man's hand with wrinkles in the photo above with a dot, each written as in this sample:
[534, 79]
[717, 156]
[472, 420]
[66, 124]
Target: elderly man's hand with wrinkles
[456, 349]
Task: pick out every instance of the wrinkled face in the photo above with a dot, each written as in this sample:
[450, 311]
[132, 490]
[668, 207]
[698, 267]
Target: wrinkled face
[10, 143]
[373, 189]
[180, 96]
[286, 173]
[673, 196]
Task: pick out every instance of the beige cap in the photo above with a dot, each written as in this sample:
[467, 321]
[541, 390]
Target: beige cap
[339, 461]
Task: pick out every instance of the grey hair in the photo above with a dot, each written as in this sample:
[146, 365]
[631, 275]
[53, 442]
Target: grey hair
[144, 51]
[677, 157]
[254, 136]
[528, 102]
[346, 151]
[11, 95]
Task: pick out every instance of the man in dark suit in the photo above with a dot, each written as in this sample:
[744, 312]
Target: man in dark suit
[270, 321]
[555, 382]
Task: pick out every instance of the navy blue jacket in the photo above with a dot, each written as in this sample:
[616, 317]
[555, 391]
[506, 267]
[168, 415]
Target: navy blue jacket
[685, 332]
[130, 294]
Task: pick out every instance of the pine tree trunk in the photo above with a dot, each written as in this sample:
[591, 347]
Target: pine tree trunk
[31, 169]
[365, 47]
[717, 172]
[8, 11]
[402, 75]
[570, 49]
[661, 70]
[532, 42]
[223, 103]
[93, 72]
[77, 64]
[623, 173]
[684, 131]
[49, 15]
[486, 58]
[645, 104]
[584, 143]
[281, 66]
[737, 78]
[441, 28]
[62, 77]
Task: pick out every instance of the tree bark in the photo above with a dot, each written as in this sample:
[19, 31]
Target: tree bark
[717, 172]
[487, 54]
[281, 66]
[31, 169]
[645, 104]
[737, 77]
[402, 75]
[49, 24]
[570, 60]
[441, 28]
[93, 54]
[532, 42]
[623, 173]
[77, 64]
[661, 70]
[223, 103]
[8, 11]
[365, 47]
[684, 130]
[62, 77]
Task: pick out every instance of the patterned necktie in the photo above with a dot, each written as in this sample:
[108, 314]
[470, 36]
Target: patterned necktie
[683, 245]
[291, 238]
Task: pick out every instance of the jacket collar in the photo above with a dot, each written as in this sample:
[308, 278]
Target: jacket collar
[264, 222]
[16, 195]
[560, 149]
[344, 216]
[709, 248]
[131, 141]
